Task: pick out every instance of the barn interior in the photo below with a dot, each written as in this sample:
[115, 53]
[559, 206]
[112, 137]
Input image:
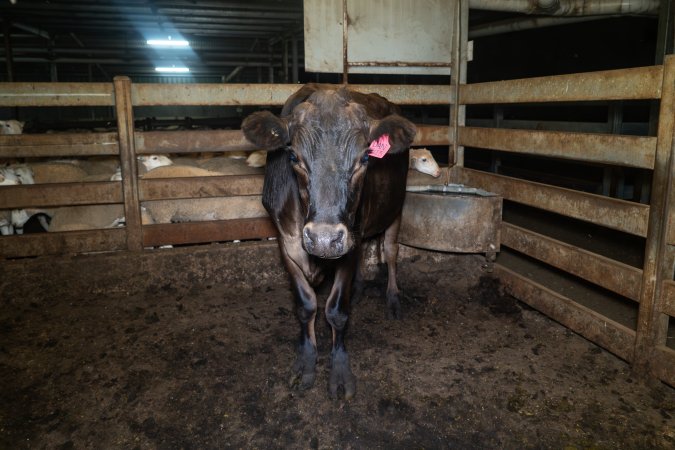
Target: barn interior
[562, 109]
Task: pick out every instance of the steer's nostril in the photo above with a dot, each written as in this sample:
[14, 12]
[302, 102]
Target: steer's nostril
[338, 237]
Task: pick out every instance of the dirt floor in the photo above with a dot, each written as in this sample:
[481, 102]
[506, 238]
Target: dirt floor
[201, 364]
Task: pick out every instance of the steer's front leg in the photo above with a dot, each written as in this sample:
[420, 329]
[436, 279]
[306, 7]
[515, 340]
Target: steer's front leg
[303, 371]
[337, 314]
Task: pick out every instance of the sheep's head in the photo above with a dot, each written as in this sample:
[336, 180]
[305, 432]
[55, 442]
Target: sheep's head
[423, 161]
[11, 127]
[153, 161]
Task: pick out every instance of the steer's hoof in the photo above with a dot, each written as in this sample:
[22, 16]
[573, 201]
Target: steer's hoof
[393, 307]
[341, 380]
[303, 371]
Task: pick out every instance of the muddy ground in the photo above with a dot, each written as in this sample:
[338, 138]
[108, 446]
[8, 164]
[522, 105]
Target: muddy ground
[204, 364]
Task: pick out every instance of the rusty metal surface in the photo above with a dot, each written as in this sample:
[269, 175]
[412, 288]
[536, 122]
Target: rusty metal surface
[658, 266]
[195, 187]
[41, 244]
[451, 219]
[623, 84]
[128, 162]
[58, 144]
[612, 213]
[605, 332]
[58, 194]
[214, 231]
[191, 141]
[56, 94]
[613, 275]
[632, 151]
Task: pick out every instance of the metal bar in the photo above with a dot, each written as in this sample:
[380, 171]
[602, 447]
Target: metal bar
[397, 64]
[622, 84]
[213, 231]
[128, 163]
[41, 244]
[56, 94]
[60, 194]
[152, 94]
[9, 61]
[58, 144]
[652, 328]
[631, 151]
[662, 363]
[612, 213]
[613, 275]
[605, 332]
[345, 43]
[196, 187]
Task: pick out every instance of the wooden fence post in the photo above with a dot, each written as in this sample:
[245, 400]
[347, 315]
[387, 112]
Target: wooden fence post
[125, 129]
[652, 326]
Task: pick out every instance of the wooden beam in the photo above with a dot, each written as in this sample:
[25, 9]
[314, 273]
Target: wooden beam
[213, 231]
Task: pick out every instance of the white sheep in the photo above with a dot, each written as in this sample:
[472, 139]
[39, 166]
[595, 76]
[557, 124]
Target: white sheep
[423, 161]
[257, 158]
[150, 162]
[7, 178]
[11, 126]
[89, 217]
[202, 209]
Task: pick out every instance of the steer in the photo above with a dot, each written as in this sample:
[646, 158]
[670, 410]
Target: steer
[337, 175]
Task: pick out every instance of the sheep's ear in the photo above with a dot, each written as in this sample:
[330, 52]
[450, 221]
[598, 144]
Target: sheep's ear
[265, 130]
[401, 132]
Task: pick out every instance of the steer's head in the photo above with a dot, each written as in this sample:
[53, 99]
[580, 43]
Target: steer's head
[326, 136]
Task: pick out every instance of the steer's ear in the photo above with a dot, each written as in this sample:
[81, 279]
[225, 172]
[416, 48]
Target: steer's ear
[265, 130]
[401, 132]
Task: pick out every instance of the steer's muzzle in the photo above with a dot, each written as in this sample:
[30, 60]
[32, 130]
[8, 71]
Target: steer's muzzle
[326, 240]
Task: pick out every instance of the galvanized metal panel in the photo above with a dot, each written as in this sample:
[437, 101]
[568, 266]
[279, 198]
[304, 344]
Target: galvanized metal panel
[214, 231]
[56, 94]
[197, 187]
[41, 244]
[612, 213]
[452, 220]
[605, 332]
[631, 151]
[623, 84]
[613, 275]
[58, 194]
[58, 144]
[397, 34]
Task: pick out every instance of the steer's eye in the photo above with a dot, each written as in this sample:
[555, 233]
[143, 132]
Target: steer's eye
[292, 157]
[364, 158]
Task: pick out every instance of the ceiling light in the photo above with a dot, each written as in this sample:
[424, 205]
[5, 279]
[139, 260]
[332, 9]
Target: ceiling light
[168, 42]
[172, 69]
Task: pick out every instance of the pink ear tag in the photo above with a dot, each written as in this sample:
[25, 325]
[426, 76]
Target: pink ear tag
[380, 147]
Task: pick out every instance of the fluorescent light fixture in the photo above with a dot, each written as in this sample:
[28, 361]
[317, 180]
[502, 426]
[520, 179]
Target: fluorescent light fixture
[168, 42]
[172, 69]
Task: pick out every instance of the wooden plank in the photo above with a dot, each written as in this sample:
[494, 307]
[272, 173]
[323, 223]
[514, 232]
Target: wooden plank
[612, 213]
[631, 151]
[58, 194]
[196, 187]
[652, 325]
[213, 231]
[599, 329]
[617, 277]
[622, 84]
[196, 141]
[154, 94]
[58, 144]
[668, 292]
[42, 244]
[662, 364]
[56, 94]
[128, 162]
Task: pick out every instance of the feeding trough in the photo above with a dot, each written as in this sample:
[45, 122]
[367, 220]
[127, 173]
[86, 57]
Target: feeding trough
[452, 218]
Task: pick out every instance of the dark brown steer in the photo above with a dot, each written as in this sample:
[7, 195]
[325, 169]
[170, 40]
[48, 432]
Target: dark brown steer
[325, 192]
